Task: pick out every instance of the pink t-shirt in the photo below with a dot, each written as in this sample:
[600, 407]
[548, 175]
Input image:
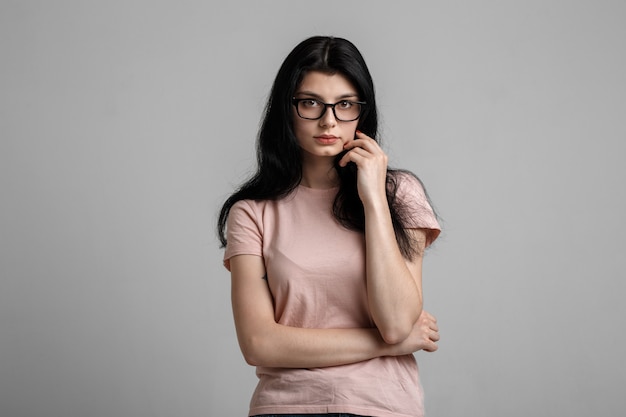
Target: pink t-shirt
[316, 273]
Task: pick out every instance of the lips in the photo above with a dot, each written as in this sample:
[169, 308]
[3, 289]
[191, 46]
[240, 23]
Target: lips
[326, 139]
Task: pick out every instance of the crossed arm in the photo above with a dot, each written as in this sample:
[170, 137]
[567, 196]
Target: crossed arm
[264, 342]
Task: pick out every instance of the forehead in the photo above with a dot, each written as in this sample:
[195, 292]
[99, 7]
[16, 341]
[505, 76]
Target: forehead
[326, 86]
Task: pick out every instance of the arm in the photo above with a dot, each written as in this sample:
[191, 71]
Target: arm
[394, 285]
[264, 342]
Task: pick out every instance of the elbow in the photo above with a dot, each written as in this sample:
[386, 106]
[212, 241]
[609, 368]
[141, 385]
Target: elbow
[251, 359]
[259, 345]
[250, 356]
[399, 330]
[253, 351]
[392, 335]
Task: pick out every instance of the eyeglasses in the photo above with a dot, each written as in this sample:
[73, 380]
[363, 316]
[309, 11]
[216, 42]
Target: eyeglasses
[312, 109]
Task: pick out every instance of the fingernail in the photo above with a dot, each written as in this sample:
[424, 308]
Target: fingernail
[358, 131]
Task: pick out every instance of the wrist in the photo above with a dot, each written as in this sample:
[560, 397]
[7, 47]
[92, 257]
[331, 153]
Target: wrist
[375, 204]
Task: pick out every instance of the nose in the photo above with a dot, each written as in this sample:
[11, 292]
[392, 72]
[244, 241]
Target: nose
[328, 118]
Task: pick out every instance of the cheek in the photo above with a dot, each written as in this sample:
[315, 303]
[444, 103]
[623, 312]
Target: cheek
[297, 129]
[350, 130]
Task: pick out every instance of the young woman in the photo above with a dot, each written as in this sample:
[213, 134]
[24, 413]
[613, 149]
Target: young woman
[324, 244]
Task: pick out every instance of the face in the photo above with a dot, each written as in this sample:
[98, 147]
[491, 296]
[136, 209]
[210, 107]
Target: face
[325, 137]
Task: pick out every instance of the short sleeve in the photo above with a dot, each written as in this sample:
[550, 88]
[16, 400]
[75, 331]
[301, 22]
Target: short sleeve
[244, 232]
[415, 207]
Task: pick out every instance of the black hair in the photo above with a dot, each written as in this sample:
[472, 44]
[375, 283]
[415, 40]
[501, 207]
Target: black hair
[279, 160]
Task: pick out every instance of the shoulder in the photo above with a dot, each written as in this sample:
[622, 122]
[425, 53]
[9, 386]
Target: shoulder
[250, 211]
[402, 176]
[406, 185]
[244, 213]
[249, 207]
[411, 202]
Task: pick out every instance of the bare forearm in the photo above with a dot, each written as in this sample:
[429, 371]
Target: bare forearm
[394, 297]
[293, 347]
[264, 342]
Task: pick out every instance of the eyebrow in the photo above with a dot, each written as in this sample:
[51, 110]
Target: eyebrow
[317, 96]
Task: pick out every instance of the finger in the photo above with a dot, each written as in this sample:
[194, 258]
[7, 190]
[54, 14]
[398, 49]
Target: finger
[365, 143]
[361, 135]
[430, 347]
[361, 152]
[356, 155]
[430, 316]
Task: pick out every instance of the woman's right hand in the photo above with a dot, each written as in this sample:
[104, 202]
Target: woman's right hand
[424, 336]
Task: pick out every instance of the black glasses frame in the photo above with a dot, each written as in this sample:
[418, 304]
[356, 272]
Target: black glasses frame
[296, 101]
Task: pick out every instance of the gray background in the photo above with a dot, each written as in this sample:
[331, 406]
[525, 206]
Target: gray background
[124, 125]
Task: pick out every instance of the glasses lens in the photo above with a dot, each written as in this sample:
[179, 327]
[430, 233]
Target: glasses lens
[310, 109]
[347, 110]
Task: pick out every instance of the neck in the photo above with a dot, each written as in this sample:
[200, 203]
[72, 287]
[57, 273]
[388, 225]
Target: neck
[319, 173]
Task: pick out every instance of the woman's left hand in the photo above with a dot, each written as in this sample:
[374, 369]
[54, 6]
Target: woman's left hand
[371, 164]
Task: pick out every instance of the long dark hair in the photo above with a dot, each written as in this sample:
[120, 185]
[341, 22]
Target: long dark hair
[279, 160]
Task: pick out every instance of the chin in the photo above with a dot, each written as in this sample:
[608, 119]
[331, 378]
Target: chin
[329, 153]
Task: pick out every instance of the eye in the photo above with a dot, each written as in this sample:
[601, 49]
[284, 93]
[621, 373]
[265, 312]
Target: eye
[345, 104]
[309, 103]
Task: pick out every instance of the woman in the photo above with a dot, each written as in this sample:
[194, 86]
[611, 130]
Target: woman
[324, 244]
